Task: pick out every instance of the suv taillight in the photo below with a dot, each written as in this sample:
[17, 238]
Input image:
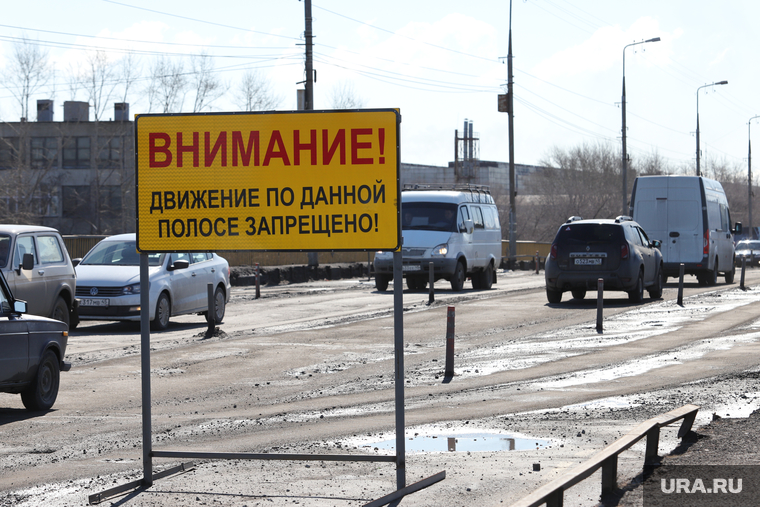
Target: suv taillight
[706, 243]
[554, 252]
[624, 251]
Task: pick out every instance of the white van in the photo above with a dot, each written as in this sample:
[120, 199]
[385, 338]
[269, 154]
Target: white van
[690, 216]
[456, 228]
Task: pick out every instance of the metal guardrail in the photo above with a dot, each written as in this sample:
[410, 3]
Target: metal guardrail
[551, 494]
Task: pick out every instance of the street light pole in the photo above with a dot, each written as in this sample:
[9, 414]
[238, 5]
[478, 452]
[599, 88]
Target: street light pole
[749, 175]
[625, 150]
[703, 86]
[511, 128]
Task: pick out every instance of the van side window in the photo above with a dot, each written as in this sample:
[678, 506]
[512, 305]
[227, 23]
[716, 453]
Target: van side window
[477, 217]
[725, 222]
[488, 217]
[464, 214]
[713, 215]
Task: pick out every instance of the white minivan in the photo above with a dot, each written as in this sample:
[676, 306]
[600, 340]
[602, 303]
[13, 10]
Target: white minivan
[456, 228]
[691, 217]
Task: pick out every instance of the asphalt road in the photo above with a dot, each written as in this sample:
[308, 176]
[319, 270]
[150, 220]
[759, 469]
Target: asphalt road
[309, 368]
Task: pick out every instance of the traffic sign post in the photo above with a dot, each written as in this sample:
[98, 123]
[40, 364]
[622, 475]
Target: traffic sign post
[296, 181]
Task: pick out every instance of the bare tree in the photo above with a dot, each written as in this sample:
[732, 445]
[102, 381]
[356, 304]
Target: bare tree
[254, 93]
[28, 71]
[128, 72]
[208, 87]
[343, 96]
[166, 86]
[99, 80]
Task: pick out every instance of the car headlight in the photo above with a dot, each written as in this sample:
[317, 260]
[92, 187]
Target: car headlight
[131, 289]
[440, 250]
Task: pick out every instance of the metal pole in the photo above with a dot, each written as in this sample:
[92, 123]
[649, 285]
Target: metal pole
[211, 308]
[311, 257]
[680, 284]
[145, 369]
[599, 305]
[431, 281]
[744, 266]
[258, 286]
[749, 175]
[511, 116]
[699, 88]
[450, 315]
[398, 333]
[625, 130]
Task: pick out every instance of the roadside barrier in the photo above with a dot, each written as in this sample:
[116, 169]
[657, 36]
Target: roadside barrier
[744, 266]
[431, 292]
[551, 494]
[449, 343]
[680, 285]
[258, 283]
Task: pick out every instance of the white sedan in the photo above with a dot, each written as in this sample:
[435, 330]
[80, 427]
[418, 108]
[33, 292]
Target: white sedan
[108, 283]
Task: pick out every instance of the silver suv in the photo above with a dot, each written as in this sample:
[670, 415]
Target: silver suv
[38, 269]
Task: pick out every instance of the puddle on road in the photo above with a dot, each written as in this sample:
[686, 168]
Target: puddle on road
[470, 442]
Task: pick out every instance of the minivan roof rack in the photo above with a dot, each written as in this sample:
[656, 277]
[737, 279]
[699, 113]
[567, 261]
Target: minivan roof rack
[574, 218]
[623, 218]
[478, 193]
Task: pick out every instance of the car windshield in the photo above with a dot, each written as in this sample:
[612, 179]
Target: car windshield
[748, 245]
[429, 216]
[118, 253]
[590, 233]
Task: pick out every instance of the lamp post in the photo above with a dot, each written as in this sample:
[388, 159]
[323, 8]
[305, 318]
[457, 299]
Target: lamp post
[749, 175]
[703, 86]
[625, 152]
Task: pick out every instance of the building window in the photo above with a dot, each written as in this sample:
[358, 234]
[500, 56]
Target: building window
[76, 153]
[109, 201]
[110, 154]
[44, 152]
[9, 152]
[76, 201]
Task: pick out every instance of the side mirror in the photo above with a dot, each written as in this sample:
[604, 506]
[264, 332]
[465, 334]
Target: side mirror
[656, 243]
[737, 228]
[27, 262]
[19, 306]
[179, 265]
[75, 262]
[469, 227]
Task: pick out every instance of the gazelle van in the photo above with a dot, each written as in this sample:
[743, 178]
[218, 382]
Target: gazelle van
[691, 217]
[456, 228]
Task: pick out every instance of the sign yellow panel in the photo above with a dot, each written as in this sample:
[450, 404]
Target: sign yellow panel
[308, 180]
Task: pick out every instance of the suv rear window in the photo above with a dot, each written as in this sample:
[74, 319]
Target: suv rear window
[590, 233]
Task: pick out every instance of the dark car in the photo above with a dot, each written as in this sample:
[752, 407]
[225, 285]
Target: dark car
[32, 349]
[617, 251]
[748, 249]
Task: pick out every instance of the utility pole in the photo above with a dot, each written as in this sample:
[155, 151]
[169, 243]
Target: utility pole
[308, 103]
[512, 189]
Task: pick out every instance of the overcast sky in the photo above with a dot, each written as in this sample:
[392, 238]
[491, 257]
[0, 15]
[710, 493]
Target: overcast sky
[440, 62]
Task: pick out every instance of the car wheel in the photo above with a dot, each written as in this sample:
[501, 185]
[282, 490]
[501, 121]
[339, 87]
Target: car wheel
[416, 282]
[655, 291]
[713, 275]
[486, 278]
[43, 391]
[457, 280]
[61, 311]
[163, 313]
[730, 275]
[381, 282]
[578, 293]
[219, 306]
[553, 296]
[637, 294]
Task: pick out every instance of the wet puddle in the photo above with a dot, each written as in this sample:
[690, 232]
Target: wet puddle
[469, 442]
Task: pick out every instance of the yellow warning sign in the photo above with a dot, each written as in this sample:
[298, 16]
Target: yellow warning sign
[308, 180]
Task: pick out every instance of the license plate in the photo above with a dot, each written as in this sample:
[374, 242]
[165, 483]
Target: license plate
[411, 267]
[94, 302]
[593, 261]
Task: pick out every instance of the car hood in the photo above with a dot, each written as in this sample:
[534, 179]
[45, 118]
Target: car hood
[110, 276]
[425, 239]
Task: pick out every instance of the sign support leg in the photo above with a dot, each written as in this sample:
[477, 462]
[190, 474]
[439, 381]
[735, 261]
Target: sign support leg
[145, 370]
[398, 334]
